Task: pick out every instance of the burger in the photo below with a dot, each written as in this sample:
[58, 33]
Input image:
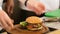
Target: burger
[32, 23]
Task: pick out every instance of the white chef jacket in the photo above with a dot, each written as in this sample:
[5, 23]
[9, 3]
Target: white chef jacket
[49, 4]
[1, 1]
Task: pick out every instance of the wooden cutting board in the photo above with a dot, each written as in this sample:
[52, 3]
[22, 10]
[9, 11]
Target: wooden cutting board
[17, 30]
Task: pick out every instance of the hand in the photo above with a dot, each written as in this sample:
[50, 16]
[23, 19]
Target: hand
[9, 6]
[5, 21]
[36, 6]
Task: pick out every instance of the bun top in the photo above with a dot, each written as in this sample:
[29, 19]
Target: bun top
[33, 19]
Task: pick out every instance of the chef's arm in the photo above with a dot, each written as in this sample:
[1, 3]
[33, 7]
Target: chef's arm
[9, 6]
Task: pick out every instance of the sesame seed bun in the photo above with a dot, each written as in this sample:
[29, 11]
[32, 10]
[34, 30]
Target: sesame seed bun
[33, 19]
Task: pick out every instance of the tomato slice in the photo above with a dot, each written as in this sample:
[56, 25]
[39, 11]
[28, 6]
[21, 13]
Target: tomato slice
[29, 26]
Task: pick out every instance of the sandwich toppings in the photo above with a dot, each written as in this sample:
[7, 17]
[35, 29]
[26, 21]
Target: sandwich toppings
[32, 23]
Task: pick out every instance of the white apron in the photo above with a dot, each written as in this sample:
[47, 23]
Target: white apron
[50, 4]
[1, 1]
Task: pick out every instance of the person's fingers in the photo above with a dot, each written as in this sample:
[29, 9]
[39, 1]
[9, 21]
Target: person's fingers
[1, 25]
[38, 8]
[8, 9]
[4, 24]
[12, 20]
[41, 6]
[29, 7]
[32, 8]
[11, 10]
[8, 20]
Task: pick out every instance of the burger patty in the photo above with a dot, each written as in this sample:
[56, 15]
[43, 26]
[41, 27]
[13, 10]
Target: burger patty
[34, 25]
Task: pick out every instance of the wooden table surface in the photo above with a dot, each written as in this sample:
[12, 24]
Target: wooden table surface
[17, 30]
[54, 32]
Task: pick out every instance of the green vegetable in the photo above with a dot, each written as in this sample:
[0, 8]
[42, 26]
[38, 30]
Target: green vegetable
[23, 23]
[39, 25]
